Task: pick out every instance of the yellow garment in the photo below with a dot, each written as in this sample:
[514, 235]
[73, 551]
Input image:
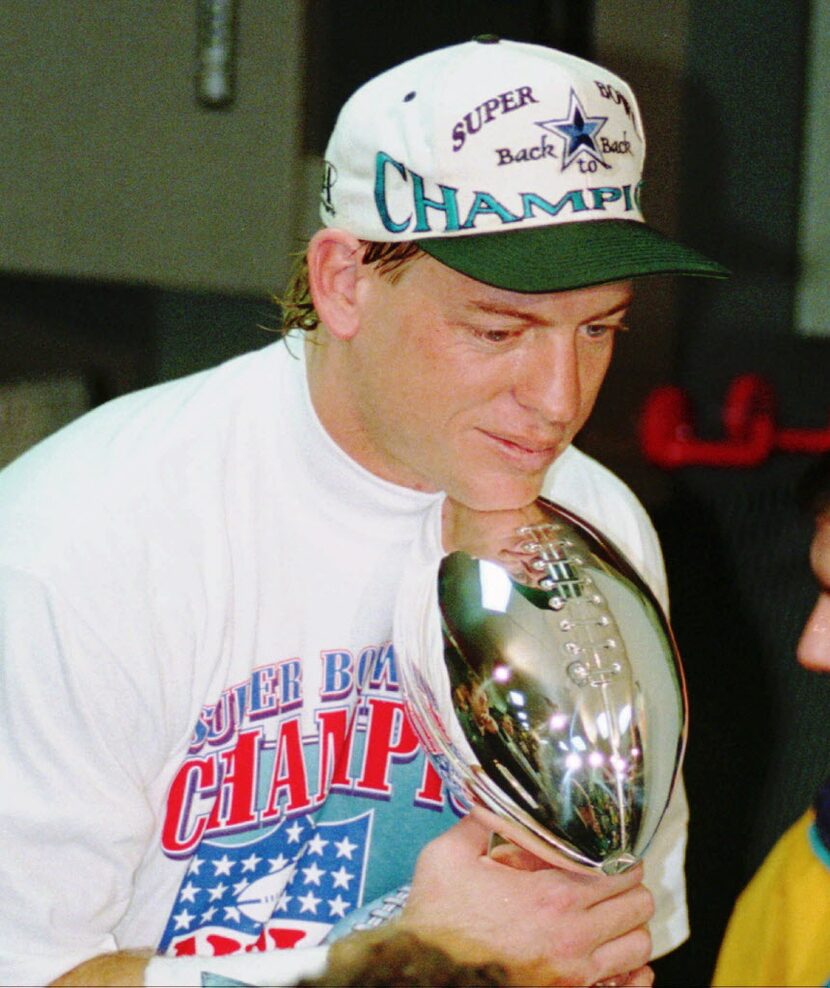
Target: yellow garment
[779, 932]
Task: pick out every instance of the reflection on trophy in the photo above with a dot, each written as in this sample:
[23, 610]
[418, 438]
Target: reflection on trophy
[556, 707]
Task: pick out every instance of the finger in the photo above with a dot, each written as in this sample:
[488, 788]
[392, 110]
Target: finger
[604, 888]
[467, 838]
[597, 888]
[517, 857]
[641, 978]
[628, 953]
[626, 911]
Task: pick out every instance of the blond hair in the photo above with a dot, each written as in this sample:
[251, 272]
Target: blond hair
[297, 308]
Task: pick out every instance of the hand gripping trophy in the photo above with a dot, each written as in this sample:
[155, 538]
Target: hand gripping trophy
[545, 684]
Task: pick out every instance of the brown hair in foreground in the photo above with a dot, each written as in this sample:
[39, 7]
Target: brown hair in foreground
[388, 957]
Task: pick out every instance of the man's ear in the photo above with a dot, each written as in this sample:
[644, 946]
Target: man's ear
[333, 261]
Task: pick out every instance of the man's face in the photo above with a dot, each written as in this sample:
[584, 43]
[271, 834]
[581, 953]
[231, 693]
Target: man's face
[814, 646]
[473, 390]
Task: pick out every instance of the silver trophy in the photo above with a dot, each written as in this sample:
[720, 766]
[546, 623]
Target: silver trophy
[556, 705]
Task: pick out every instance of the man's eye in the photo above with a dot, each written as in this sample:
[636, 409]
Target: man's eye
[495, 335]
[597, 330]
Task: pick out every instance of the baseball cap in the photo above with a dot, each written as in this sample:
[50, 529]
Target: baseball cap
[516, 164]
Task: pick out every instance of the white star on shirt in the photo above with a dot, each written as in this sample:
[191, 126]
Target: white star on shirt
[338, 907]
[285, 898]
[183, 920]
[195, 865]
[316, 844]
[231, 912]
[188, 892]
[342, 878]
[208, 914]
[309, 903]
[313, 874]
[223, 866]
[277, 864]
[294, 832]
[217, 891]
[345, 848]
[249, 864]
[240, 886]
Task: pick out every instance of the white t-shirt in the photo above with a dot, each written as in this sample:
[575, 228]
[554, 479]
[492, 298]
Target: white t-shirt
[196, 596]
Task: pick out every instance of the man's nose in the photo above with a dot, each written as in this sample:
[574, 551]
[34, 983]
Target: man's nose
[549, 382]
[814, 644]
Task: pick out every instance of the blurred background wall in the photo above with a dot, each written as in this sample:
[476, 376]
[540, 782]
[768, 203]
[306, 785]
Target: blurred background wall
[143, 233]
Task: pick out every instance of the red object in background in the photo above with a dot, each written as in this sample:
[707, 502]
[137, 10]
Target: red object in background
[668, 440]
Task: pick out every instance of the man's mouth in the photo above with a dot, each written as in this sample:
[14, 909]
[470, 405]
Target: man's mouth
[528, 453]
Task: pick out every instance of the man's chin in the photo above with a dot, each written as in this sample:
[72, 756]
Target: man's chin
[497, 497]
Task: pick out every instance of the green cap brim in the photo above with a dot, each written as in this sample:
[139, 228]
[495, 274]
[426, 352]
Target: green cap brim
[564, 256]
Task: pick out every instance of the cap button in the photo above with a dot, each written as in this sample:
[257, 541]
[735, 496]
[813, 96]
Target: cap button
[487, 39]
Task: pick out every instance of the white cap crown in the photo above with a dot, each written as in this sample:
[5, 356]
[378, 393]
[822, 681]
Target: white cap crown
[490, 135]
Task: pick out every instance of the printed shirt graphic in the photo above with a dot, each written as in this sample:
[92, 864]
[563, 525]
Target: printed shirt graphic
[287, 833]
[253, 895]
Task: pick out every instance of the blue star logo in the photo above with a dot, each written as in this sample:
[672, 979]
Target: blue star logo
[578, 132]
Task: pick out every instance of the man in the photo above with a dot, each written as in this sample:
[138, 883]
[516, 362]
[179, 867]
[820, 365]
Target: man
[204, 744]
[779, 933]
